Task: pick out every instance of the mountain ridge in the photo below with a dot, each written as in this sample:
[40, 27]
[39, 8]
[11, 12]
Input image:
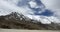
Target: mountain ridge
[13, 21]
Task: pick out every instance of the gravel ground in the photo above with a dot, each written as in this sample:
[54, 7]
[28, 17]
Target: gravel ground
[18, 30]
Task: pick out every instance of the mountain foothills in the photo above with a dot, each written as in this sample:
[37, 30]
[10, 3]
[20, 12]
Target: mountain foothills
[18, 21]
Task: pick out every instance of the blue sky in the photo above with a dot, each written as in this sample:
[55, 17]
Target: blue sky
[47, 12]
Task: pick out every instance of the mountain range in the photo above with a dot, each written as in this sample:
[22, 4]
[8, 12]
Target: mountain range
[18, 21]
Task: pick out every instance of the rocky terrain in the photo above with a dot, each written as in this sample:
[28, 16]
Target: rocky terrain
[19, 21]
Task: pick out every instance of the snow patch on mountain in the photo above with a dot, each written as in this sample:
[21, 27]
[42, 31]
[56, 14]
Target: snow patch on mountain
[44, 19]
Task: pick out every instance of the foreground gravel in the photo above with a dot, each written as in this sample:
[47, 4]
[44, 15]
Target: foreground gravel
[18, 30]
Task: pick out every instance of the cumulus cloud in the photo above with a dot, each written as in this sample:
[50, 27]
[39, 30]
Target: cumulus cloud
[53, 5]
[8, 7]
[33, 4]
[11, 5]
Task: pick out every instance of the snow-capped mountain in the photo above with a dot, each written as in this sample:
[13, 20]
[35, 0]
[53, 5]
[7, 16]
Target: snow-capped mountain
[18, 21]
[16, 16]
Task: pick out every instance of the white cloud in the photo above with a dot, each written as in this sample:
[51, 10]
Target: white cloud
[33, 4]
[8, 7]
[53, 5]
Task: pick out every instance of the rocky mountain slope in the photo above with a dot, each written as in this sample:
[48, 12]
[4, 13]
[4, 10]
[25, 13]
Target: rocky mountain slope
[19, 21]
